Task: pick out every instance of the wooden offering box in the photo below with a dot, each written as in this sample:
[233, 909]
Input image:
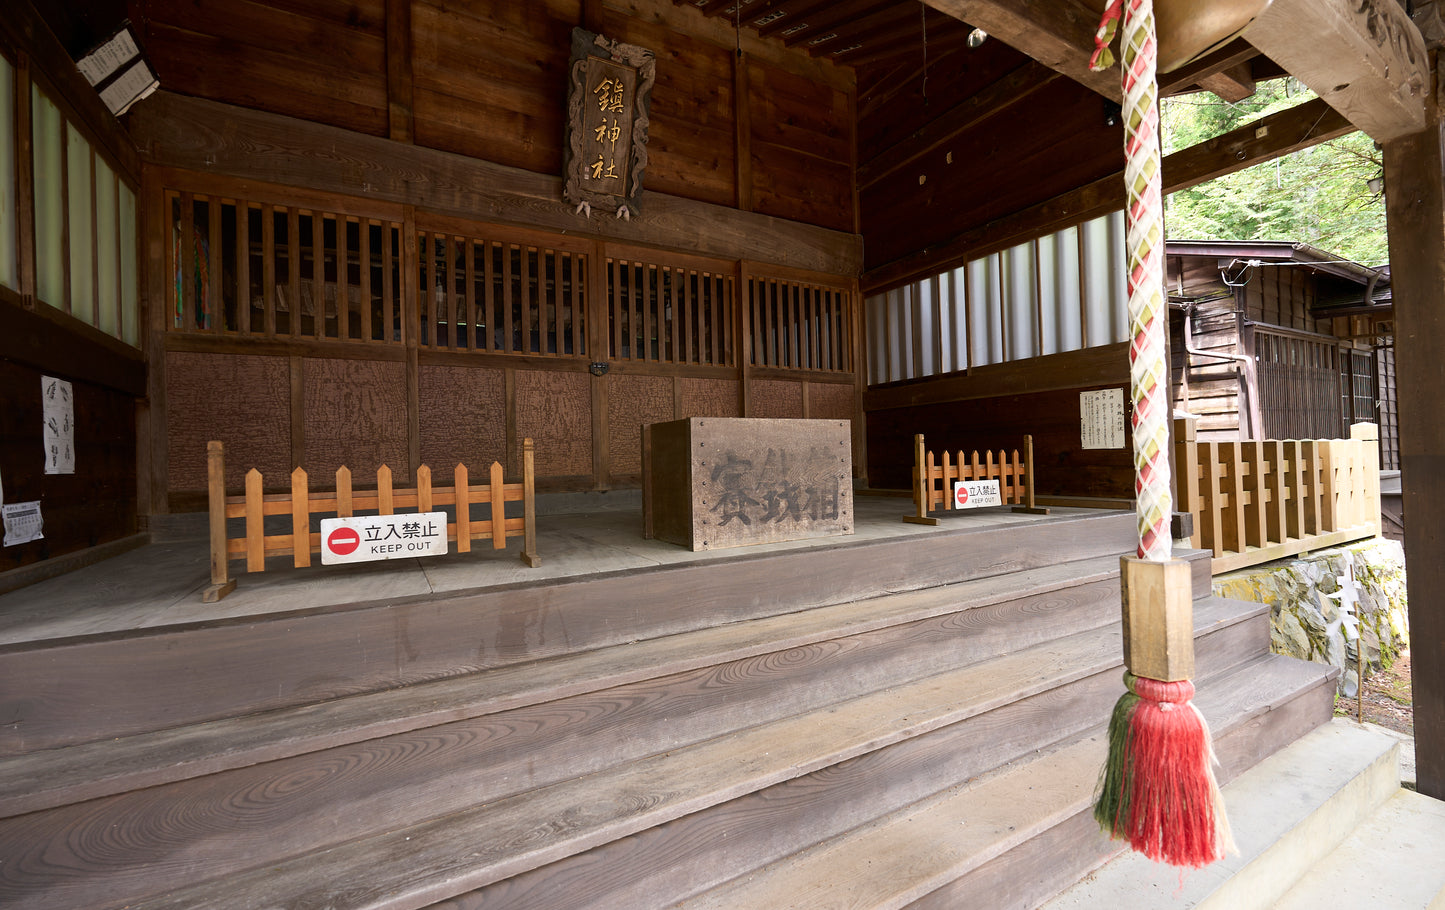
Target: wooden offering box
[712, 482]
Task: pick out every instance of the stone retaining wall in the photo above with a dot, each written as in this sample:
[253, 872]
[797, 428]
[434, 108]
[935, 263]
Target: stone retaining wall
[1309, 624]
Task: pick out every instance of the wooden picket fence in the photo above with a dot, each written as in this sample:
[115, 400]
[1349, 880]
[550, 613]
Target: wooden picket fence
[933, 477]
[1260, 500]
[301, 504]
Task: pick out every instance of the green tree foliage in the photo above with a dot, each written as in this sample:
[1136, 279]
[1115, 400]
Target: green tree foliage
[1318, 196]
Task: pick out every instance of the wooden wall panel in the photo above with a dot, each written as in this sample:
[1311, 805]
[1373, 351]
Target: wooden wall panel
[463, 419]
[631, 402]
[97, 503]
[710, 398]
[1062, 466]
[691, 144]
[243, 400]
[319, 60]
[491, 79]
[802, 157]
[831, 401]
[555, 409]
[776, 398]
[355, 415]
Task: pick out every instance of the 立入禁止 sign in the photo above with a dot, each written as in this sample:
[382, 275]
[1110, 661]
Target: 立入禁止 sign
[383, 537]
[975, 494]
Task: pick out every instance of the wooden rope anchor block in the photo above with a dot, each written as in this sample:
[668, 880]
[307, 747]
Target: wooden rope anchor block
[933, 481]
[254, 505]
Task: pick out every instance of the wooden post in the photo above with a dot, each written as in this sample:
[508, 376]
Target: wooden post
[255, 523]
[300, 519]
[1415, 213]
[1028, 506]
[1158, 614]
[497, 490]
[221, 582]
[922, 485]
[529, 506]
[1368, 436]
[1186, 473]
[463, 500]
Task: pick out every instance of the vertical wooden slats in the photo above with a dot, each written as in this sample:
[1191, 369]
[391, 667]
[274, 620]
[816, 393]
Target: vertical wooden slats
[451, 282]
[216, 304]
[343, 279]
[243, 267]
[1213, 500]
[579, 298]
[508, 336]
[529, 300]
[363, 256]
[188, 255]
[293, 271]
[389, 303]
[268, 268]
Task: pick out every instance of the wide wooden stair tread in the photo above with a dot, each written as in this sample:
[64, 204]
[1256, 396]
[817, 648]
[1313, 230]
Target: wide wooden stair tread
[712, 766]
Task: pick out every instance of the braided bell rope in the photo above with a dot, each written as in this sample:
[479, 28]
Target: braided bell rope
[1148, 370]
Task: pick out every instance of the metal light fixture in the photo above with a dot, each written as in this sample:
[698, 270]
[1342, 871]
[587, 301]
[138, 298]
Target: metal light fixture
[977, 37]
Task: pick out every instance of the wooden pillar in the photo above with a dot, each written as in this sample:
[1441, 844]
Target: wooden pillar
[1415, 208]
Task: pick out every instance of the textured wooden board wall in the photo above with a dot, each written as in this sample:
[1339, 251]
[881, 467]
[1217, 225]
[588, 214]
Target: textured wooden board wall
[463, 419]
[94, 505]
[831, 400]
[243, 400]
[555, 409]
[710, 397]
[314, 59]
[355, 415]
[631, 402]
[777, 398]
[801, 148]
[491, 79]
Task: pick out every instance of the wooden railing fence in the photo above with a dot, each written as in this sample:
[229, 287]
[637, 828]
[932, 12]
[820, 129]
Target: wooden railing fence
[933, 477]
[1259, 500]
[301, 504]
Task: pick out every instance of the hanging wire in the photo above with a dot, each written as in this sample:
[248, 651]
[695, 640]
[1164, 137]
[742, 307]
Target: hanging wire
[923, 18]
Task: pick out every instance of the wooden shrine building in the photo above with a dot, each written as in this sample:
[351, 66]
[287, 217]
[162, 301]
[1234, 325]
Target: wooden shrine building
[367, 232]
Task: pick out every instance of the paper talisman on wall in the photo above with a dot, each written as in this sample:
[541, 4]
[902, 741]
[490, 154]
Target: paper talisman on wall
[609, 94]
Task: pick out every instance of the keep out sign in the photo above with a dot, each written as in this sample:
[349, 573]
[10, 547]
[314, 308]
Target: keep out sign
[975, 494]
[383, 537]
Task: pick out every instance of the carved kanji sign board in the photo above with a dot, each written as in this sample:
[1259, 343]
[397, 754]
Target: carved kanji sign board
[609, 94]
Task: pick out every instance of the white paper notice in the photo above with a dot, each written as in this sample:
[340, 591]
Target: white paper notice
[1101, 419]
[22, 522]
[108, 57]
[58, 412]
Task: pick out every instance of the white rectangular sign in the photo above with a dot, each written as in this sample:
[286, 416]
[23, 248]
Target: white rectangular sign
[22, 522]
[1101, 419]
[383, 537]
[976, 494]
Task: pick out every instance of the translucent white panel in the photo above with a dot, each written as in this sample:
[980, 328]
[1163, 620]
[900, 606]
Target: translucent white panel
[958, 290]
[80, 226]
[129, 288]
[925, 323]
[49, 153]
[1098, 267]
[1020, 305]
[985, 306]
[1119, 271]
[107, 292]
[897, 334]
[9, 273]
[1048, 294]
[1067, 290]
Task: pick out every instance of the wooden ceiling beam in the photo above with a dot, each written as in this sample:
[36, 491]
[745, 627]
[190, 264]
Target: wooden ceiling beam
[876, 51]
[842, 15]
[797, 13]
[1365, 57]
[1231, 55]
[1233, 84]
[1270, 137]
[1057, 33]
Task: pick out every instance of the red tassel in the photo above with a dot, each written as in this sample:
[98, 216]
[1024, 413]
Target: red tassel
[1175, 813]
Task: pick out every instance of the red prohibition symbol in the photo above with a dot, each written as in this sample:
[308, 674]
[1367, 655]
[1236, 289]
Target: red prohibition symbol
[343, 541]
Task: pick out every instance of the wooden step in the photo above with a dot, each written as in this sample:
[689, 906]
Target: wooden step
[102, 687]
[470, 837]
[1062, 599]
[954, 850]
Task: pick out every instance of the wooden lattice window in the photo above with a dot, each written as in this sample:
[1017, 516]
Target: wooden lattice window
[800, 325]
[671, 312]
[253, 268]
[494, 295]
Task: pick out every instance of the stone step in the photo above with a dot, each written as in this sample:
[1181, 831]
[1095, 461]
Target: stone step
[1288, 812]
[1395, 859]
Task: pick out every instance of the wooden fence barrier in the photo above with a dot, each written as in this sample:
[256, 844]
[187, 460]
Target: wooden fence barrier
[933, 479]
[1259, 500]
[255, 545]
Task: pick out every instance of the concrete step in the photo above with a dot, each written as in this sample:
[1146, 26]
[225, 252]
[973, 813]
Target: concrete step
[1288, 813]
[1395, 859]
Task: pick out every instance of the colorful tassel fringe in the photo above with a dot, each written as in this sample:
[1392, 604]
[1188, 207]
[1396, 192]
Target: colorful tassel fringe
[1157, 790]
